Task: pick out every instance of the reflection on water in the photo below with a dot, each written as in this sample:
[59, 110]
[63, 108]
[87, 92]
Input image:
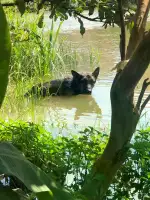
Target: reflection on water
[81, 109]
[71, 108]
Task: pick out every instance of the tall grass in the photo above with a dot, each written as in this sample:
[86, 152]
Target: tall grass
[38, 55]
[35, 53]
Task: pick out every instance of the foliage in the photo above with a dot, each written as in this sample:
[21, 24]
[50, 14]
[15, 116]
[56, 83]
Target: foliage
[133, 178]
[12, 162]
[69, 159]
[74, 155]
[60, 156]
[38, 53]
[106, 10]
[8, 194]
[33, 54]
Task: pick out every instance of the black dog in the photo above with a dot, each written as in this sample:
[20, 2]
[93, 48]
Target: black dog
[77, 84]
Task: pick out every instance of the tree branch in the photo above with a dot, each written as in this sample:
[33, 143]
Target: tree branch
[144, 103]
[137, 66]
[139, 26]
[95, 19]
[123, 35]
[144, 86]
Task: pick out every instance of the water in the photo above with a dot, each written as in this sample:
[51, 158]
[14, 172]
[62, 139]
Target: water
[94, 109]
[83, 110]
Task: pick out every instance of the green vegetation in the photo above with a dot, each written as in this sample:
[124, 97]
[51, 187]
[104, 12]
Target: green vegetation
[38, 55]
[69, 159]
[52, 166]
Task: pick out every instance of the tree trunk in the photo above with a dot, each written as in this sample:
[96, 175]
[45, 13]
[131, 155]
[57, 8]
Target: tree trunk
[125, 117]
[139, 26]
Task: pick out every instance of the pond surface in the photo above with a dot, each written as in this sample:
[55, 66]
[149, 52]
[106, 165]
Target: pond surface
[84, 110]
[95, 109]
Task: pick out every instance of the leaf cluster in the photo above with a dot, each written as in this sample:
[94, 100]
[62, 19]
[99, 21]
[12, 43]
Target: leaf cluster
[71, 158]
[105, 11]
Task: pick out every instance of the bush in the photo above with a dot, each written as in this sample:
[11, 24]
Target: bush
[69, 159]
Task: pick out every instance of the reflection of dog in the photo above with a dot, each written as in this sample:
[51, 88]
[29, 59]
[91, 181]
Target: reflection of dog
[73, 107]
[77, 84]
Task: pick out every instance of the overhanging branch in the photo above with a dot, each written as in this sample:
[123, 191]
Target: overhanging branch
[95, 19]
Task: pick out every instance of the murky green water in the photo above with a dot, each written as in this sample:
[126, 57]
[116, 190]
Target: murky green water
[86, 110]
[90, 110]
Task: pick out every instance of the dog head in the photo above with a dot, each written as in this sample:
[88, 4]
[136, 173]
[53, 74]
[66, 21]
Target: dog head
[83, 84]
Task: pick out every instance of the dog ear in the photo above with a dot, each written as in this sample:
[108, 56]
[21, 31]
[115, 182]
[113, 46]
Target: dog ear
[96, 72]
[75, 74]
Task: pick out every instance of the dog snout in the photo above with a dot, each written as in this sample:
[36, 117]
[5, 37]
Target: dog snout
[89, 88]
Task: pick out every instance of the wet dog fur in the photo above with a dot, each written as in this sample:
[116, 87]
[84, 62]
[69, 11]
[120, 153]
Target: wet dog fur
[73, 85]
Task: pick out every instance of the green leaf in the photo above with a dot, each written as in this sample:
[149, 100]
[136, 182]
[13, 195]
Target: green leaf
[8, 194]
[142, 145]
[146, 197]
[45, 195]
[21, 6]
[5, 52]
[130, 26]
[41, 19]
[148, 175]
[12, 162]
[82, 29]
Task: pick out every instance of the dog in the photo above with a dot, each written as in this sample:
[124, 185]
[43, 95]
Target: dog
[74, 85]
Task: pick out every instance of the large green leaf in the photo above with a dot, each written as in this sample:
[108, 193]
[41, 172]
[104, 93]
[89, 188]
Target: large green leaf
[8, 194]
[5, 52]
[12, 162]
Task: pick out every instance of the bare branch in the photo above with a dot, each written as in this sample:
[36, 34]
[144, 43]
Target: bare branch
[95, 19]
[144, 86]
[144, 103]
